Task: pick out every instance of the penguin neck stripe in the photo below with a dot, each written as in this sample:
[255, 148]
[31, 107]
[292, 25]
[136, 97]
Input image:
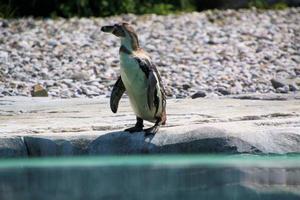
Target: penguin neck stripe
[123, 49]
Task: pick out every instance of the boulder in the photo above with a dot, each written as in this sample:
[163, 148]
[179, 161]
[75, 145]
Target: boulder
[67, 127]
[12, 147]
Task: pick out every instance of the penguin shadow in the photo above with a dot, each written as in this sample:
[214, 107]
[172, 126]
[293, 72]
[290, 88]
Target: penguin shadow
[112, 143]
[124, 143]
[121, 142]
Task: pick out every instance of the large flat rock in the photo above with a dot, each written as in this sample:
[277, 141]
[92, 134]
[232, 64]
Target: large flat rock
[55, 127]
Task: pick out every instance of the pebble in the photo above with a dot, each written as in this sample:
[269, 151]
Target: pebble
[297, 71]
[186, 86]
[4, 24]
[198, 94]
[277, 83]
[239, 51]
[284, 89]
[293, 87]
[223, 91]
[79, 76]
[39, 91]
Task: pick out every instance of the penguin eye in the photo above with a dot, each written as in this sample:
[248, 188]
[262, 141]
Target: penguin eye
[119, 30]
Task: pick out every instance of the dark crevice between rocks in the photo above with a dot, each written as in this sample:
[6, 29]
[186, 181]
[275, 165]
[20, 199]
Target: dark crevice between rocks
[26, 146]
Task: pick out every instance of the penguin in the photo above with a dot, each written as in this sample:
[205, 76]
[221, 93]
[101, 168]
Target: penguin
[140, 79]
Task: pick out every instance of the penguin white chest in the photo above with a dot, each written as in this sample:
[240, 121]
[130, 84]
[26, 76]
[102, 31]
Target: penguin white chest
[132, 75]
[135, 82]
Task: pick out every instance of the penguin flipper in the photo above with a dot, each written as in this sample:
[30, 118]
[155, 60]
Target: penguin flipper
[151, 89]
[152, 75]
[116, 94]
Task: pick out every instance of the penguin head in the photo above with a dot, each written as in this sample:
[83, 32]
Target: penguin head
[124, 31]
[120, 29]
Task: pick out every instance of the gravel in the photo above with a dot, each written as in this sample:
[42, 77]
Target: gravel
[212, 53]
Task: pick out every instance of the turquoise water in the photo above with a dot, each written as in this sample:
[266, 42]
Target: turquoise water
[152, 177]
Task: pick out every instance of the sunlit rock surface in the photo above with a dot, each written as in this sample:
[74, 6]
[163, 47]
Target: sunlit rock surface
[56, 127]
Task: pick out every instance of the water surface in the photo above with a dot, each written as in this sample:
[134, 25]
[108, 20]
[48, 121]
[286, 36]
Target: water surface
[152, 177]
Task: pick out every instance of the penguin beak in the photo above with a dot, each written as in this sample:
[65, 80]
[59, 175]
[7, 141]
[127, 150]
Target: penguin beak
[116, 30]
[107, 29]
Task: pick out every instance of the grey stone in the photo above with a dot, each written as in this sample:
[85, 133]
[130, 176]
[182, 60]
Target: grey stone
[223, 91]
[52, 43]
[4, 24]
[186, 86]
[79, 76]
[68, 82]
[198, 94]
[297, 71]
[284, 89]
[293, 87]
[50, 83]
[277, 83]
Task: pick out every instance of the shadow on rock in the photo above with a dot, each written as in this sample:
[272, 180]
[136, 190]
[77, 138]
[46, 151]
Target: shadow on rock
[206, 140]
[171, 141]
[54, 147]
[229, 145]
[121, 143]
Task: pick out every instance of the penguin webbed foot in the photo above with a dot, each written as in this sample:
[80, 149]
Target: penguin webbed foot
[138, 126]
[134, 129]
[152, 130]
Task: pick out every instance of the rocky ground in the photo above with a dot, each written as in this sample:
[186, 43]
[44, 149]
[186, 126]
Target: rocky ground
[81, 126]
[198, 54]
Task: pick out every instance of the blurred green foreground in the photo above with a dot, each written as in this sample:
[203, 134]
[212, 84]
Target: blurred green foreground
[152, 177]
